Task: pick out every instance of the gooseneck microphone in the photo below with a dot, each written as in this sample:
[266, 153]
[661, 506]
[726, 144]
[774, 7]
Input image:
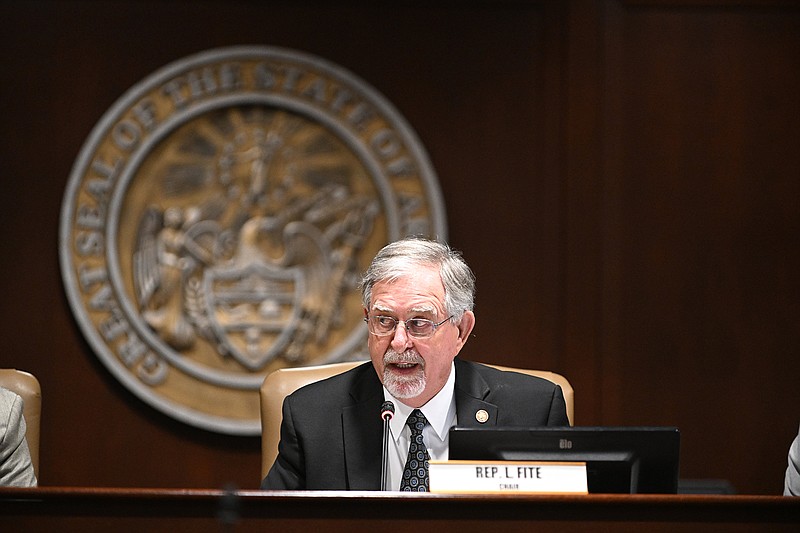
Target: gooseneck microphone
[387, 412]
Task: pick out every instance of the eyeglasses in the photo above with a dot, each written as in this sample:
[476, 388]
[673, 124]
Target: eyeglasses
[419, 328]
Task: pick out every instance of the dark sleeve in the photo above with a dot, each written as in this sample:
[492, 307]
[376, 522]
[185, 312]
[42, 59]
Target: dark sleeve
[288, 471]
[558, 409]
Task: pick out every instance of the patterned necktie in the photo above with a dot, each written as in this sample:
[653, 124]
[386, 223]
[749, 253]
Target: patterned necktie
[415, 473]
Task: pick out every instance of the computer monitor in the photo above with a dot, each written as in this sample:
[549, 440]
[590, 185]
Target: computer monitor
[618, 459]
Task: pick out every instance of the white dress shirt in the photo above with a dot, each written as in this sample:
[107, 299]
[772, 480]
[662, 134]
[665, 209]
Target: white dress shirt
[441, 414]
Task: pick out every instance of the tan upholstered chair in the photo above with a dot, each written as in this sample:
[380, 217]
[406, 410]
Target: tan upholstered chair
[27, 386]
[285, 381]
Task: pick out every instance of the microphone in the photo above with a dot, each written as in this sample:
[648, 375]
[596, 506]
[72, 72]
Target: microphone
[387, 412]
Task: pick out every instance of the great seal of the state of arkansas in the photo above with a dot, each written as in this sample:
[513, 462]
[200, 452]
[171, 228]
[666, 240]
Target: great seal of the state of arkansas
[218, 218]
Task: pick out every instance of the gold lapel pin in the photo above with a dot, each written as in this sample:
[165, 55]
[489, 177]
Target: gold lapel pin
[481, 416]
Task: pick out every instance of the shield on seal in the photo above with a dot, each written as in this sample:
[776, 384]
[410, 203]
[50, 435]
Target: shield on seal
[254, 310]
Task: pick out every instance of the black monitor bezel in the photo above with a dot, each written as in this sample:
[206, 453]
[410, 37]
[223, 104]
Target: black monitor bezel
[619, 459]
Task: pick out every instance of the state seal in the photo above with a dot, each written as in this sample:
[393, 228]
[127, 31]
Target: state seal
[218, 218]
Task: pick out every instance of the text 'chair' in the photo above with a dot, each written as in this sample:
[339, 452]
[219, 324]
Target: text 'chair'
[280, 383]
[28, 388]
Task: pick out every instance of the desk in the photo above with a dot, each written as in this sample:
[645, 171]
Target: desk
[173, 510]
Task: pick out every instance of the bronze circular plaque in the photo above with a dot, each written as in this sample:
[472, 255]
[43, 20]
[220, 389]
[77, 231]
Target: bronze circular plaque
[218, 218]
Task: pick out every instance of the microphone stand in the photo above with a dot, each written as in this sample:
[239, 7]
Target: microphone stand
[387, 412]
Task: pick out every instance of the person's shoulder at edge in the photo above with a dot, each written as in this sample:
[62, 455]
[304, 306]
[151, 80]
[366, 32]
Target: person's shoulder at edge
[791, 486]
[16, 468]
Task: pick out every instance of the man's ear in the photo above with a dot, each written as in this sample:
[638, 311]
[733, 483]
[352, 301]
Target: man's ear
[465, 326]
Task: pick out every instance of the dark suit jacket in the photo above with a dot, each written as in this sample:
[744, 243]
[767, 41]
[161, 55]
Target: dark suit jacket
[331, 434]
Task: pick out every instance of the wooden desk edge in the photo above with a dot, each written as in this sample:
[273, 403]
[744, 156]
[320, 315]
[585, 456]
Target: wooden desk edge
[117, 501]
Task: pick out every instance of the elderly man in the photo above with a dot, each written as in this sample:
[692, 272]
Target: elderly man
[418, 299]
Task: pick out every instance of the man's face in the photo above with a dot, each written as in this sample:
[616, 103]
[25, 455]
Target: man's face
[413, 369]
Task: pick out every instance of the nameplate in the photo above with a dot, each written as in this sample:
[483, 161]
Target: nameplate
[507, 476]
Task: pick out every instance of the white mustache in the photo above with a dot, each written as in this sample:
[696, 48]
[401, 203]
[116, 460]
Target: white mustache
[392, 357]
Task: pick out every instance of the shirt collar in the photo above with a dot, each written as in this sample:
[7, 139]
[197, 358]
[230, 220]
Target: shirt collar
[440, 410]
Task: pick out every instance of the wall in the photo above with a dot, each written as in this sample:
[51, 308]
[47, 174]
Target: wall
[622, 176]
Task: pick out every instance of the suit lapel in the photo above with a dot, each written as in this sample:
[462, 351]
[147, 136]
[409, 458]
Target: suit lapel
[363, 433]
[470, 391]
